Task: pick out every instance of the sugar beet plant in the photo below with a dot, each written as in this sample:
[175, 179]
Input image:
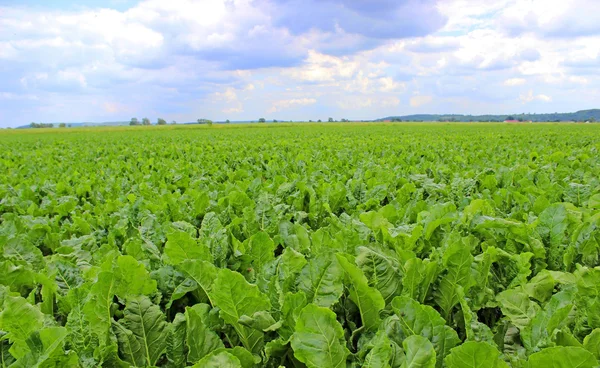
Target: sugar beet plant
[318, 246]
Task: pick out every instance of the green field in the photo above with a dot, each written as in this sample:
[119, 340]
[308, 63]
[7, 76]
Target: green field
[357, 245]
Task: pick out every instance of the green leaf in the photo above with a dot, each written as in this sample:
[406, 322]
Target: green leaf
[132, 278]
[6, 359]
[202, 272]
[293, 303]
[381, 268]
[200, 340]
[592, 343]
[236, 297]
[319, 340]
[417, 319]
[540, 331]
[142, 333]
[457, 261]
[517, 307]
[247, 360]
[176, 338]
[368, 299]
[261, 320]
[46, 349]
[419, 352]
[381, 352]
[322, 280]
[418, 277]
[552, 224]
[97, 310]
[19, 319]
[181, 246]
[473, 354]
[562, 357]
[221, 359]
[261, 250]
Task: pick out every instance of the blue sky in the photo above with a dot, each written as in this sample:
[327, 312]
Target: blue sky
[294, 59]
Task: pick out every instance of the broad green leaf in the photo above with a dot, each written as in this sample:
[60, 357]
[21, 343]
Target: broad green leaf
[293, 303]
[97, 310]
[319, 340]
[322, 280]
[381, 352]
[200, 340]
[381, 269]
[562, 357]
[592, 343]
[181, 246]
[222, 359]
[236, 297]
[419, 352]
[418, 278]
[552, 225]
[261, 320]
[247, 360]
[46, 349]
[473, 354]
[416, 319]
[19, 319]
[132, 278]
[369, 300]
[517, 307]
[457, 262]
[202, 272]
[142, 333]
[540, 331]
[261, 249]
[176, 339]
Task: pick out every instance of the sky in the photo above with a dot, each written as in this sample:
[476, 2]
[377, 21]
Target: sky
[111, 60]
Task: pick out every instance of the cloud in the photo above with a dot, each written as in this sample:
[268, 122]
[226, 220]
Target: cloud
[189, 59]
[529, 97]
[378, 19]
[551, 18]
[287, 104]
[417, 101]
[514, 82]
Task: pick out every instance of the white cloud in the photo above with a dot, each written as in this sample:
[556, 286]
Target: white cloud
[529, 97]
[229, 95]
[514, 82]
[286, 104]
[417, 101]
[233, 110]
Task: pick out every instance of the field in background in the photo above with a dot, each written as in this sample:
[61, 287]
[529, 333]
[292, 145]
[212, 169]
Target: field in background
[319, 245]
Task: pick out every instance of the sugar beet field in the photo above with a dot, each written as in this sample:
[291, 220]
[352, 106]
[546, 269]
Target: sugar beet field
[327, 246]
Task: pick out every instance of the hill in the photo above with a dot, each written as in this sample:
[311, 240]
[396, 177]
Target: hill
[583, 115]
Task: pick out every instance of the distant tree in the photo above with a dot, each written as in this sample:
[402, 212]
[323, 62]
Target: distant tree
[520, 119]
[510, 118]
[274, 120]
[319, 121]
[134, 121]
[33, 125]
[227, 121]
[173, 122]
[68, 125]
[330, 120]
[161, 121]
[591, 120]
[310, 121]
[262, 120]
[146, 121]
[204, 121]
[62, 125]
